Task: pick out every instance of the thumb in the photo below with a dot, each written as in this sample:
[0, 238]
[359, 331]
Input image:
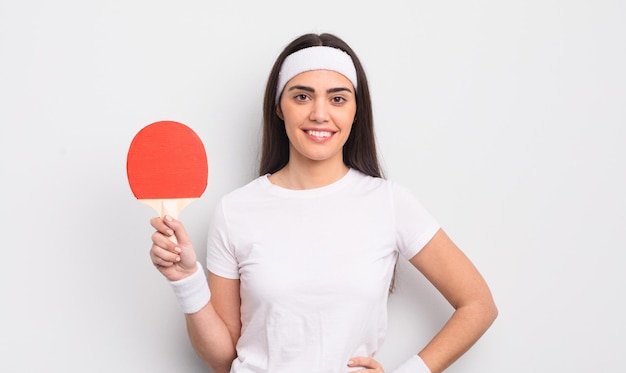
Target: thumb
[179, 230]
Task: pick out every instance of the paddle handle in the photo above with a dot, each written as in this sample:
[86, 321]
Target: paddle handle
[168, 206]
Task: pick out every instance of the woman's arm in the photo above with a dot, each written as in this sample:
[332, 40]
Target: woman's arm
[452, 273]
[215, 329]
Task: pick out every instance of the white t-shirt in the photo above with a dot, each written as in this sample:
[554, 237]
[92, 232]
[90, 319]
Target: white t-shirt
[315, 267]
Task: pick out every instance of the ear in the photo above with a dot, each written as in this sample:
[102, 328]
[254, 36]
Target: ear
[279, 113]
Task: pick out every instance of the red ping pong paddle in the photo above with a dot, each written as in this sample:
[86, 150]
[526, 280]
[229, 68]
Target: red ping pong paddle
[167, 167]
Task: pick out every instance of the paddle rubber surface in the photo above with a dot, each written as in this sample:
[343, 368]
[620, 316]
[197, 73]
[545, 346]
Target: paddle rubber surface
[167, 160]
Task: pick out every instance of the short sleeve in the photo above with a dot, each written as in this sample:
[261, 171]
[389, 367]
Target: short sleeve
[220, 258]
[415, 226]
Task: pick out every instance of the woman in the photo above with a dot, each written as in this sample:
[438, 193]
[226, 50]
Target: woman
[301, 259]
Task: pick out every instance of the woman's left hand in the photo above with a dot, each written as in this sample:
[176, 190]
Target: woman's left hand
[369, 364]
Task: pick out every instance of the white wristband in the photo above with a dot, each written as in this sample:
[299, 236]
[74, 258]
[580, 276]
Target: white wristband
[192, 292]
[414, 365]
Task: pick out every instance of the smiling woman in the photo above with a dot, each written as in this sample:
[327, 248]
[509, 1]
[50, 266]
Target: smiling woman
[318, 109]
[313, 52]
[301, 258]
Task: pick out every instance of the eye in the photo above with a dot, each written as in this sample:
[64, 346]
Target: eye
[301, 97]
[338, 100]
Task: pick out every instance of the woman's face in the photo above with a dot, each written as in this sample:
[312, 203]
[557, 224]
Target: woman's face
[318, 108]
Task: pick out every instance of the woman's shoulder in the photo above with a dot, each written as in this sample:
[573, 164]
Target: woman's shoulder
[364, 180]
[247, 191]
[394, 188]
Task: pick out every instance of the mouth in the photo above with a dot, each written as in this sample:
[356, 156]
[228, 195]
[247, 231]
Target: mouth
[319, 134]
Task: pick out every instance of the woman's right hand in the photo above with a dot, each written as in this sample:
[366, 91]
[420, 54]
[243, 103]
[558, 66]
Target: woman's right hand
[174, 260]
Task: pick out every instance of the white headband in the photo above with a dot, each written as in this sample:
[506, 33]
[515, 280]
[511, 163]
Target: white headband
[315, 58]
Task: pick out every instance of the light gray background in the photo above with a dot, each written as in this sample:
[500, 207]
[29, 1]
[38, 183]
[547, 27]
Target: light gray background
[506, 118]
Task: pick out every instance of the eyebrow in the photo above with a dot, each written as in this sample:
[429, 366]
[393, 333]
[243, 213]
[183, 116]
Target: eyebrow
[312, 90]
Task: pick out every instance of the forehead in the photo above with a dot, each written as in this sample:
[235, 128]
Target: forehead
[321, 79]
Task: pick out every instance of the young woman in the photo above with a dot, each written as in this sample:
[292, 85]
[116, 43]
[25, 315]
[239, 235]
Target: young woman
[301, 259]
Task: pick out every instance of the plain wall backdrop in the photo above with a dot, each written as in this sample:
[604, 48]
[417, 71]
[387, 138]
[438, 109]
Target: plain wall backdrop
[506, 118]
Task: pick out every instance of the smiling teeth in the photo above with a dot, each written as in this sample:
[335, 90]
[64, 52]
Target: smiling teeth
[319, 133]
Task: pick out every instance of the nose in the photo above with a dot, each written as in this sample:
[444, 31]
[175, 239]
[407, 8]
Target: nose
[319, 111]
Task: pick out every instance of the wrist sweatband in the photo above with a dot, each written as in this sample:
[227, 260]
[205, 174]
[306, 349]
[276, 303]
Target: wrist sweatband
[192, 292]
[414, 365]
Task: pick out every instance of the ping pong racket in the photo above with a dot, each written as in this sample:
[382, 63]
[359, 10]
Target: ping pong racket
[167, 167]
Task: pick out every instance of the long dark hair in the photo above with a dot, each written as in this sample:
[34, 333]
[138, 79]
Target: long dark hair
[359, 151]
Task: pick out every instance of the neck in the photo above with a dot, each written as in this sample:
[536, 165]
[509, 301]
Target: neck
[309, 176]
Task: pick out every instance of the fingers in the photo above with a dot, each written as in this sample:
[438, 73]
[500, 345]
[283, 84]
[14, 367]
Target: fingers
[166, 253]
[368, 363]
